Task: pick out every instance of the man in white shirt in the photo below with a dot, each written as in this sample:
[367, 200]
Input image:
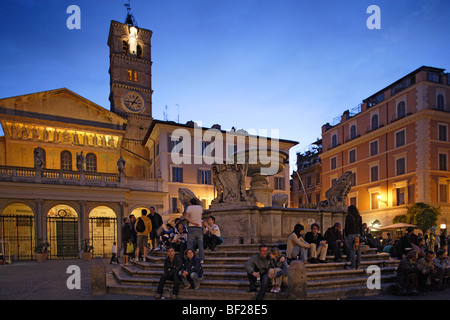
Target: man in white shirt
[193, 215]
[211, 234]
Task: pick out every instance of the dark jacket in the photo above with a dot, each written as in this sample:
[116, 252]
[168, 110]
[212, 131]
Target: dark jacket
[156, 220]
[310, 238]
[353, 224]
[332, 235]
[405, 268]
[257, 264]
[127, 234]
[174, 266]
[192, 265]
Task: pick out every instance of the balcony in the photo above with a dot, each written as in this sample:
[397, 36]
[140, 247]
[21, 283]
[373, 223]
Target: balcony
[51, 176]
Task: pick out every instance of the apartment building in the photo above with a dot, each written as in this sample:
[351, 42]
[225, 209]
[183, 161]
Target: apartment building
[396, 143]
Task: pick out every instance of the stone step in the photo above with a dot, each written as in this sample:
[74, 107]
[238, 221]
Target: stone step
[343, 273]
[225, 277]
[189, 294]
[345, 265]
[237, 272]
[338, 293]
[242, 256]
[348, 281]
[152, 280]
[208, 274]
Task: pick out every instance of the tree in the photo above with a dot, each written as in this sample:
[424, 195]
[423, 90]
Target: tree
[420, 214]
[401, 218]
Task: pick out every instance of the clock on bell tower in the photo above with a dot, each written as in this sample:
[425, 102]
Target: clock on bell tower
[130, 70]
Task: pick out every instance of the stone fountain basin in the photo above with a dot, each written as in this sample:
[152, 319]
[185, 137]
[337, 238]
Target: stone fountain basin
[266, 162]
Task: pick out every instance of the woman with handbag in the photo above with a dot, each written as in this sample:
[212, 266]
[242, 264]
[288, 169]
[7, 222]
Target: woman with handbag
[127, 243]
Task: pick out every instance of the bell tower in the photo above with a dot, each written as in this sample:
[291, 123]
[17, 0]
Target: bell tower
[130, 75]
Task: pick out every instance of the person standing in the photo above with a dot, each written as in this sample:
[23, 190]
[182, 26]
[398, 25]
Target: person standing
[143, 227]
[157, 223]
[353, 230]
[193, 215]
[257, 268]
[114, 259]
[127, 239]
[172, 266]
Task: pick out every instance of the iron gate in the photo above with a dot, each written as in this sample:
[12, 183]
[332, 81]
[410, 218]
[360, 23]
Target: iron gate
[18, 232]
[103, 233]
[63, 237]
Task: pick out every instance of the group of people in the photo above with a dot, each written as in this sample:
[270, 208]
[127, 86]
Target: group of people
[431, 272]
[312, 247]
[424, 265]
[265, 269]
[183, 238]
[149, 227]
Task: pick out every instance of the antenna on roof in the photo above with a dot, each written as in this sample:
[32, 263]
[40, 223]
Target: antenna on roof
[178, 113]
[130, 18]
[165, 115]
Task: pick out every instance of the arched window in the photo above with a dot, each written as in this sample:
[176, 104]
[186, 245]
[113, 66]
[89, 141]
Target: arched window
[66, 161]
[374, 122]
[91, 162]
[353, 132]
[139, 51]
[125, 47]
[334, 141]
[440, 102]
[401, 109]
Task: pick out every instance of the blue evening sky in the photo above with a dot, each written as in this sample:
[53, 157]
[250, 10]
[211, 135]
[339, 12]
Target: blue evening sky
[287, 65]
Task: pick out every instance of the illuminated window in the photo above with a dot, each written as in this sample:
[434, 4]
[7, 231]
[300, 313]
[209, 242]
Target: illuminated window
[130, 75]
[66, 161]
[91, 162]
[135, 76]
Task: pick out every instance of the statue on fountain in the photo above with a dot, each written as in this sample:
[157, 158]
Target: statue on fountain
[336, 194]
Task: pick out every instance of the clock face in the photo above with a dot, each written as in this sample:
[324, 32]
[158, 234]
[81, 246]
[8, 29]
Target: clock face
[133, 101]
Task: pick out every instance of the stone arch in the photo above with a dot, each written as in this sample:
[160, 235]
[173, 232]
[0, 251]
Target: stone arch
[103, 229]
[63, 230]
[18, 229]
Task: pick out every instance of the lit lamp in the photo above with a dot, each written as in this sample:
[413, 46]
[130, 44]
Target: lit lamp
[443, 226]
[379, 199]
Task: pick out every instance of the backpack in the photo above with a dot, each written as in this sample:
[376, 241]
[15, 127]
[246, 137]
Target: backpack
[140, 225]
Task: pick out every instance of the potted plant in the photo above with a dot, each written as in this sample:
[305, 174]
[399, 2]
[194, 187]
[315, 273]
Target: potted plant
[41, 250]
[87, 250]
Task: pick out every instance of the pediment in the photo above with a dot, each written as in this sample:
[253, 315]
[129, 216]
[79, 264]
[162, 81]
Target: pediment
[61, 106]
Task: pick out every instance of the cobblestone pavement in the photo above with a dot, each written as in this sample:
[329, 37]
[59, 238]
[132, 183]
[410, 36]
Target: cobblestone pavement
[31, 280]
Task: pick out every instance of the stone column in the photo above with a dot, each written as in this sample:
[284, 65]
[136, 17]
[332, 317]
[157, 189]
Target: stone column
[40, 219]
[84, 223]
[119, 225]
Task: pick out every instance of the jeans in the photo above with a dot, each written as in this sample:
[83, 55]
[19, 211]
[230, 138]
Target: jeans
[355, 255]
[195, 237]
[191, 278]
[164, 278]
[300, 252]
[264, 280]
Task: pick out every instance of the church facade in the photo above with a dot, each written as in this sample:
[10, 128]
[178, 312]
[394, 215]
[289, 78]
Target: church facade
[71, 170]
